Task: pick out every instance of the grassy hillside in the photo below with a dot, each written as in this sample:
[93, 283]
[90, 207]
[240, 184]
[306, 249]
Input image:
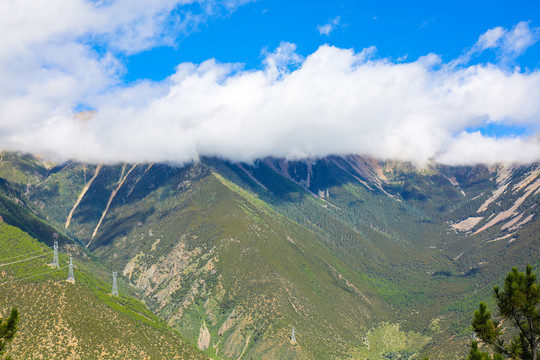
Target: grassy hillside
[219, 263]
[61, 320]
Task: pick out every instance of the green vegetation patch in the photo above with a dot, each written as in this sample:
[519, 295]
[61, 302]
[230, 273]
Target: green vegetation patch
[388, 341]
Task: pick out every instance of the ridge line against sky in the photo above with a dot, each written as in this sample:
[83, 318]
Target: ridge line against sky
[311, 98]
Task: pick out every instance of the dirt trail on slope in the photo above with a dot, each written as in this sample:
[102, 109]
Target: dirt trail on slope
[113, 194]
[81, 195]
[139, 178]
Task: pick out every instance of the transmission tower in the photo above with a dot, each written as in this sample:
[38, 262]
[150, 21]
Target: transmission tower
[71, 277]
[55, 256]
[293, 337]
[114, 284]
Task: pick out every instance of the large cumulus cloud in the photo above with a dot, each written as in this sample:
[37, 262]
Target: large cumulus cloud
[334, 101]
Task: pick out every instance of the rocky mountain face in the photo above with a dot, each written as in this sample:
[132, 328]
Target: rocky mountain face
[235, 255]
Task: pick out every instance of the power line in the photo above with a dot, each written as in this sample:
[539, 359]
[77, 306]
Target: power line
[34, 257]
[34, 275]
[55, 265]
[18, 256]
[44, 273]
[71, 276]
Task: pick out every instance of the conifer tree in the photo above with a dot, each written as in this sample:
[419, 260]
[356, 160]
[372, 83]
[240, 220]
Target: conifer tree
[8, 329]
[518, 304]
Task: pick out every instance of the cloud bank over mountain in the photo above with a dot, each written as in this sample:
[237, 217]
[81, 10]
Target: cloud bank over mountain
[333, 101]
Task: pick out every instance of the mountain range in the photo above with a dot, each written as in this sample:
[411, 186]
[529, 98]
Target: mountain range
[363, 258]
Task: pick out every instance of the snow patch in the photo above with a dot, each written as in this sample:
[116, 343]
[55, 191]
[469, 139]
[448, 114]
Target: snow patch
[504, 173]
[477, 196]
[467, 224]
[523, 183]
[522, 222]
[453, 181]
[510, 212]
[495, 195]
[512, 222]
[501, 238]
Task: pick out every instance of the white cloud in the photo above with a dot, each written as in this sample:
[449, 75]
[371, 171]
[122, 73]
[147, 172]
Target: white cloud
[519, 39]
[470, 148]
[330, 26]
[48, 64]
[508, 44]
[124, 25]
[280, 62]
[334, 101]
[490, 38]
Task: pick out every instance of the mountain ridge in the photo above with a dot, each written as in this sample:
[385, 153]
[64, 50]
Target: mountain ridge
[399, 242]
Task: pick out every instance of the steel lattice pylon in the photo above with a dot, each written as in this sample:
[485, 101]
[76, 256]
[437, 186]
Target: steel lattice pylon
[55, 263]
[71, 276]
[114, 284]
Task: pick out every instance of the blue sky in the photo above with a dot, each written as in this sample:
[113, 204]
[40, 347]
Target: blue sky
[455, 82]
[397, 28]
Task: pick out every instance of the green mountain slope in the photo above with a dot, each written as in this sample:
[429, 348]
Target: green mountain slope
[61, 320]
[216, 262]
[344, 249]
[220, 264]
[412, 218]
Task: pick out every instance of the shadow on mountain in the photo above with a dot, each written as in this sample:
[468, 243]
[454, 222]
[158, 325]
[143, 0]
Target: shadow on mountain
[119, 226]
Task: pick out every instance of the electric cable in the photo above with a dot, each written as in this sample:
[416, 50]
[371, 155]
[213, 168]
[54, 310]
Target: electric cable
[30, 258]
[18, 256]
